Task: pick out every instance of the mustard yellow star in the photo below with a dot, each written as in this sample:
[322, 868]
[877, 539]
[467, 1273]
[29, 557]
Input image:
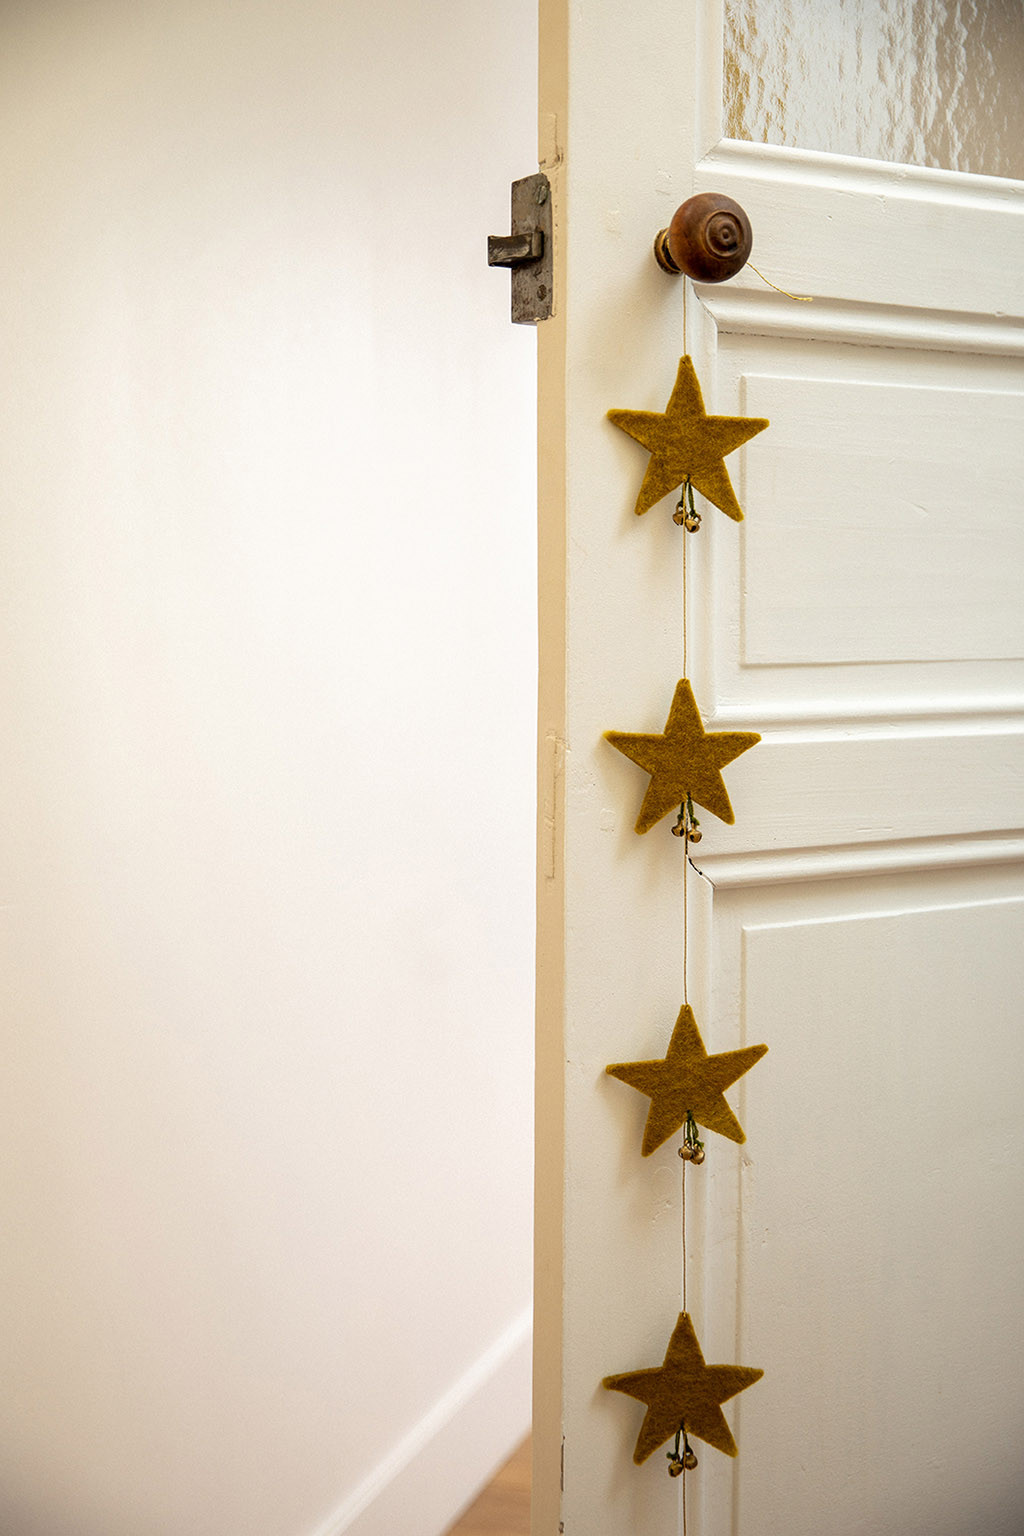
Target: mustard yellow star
[684, 760]
[687, 1081]
[686, 443]
[684, 1392]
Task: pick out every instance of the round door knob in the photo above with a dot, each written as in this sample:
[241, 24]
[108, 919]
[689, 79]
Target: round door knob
[709, 239]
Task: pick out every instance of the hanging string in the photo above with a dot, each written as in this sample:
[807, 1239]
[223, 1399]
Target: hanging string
[686, 846]
[685, 542]
[682, 1228]
[683, 1231]
[686, 923]
[801, 298]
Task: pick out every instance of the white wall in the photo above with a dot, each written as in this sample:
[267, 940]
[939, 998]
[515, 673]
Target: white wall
[266, 764]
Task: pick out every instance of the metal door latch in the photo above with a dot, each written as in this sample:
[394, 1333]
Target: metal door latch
[527, 251]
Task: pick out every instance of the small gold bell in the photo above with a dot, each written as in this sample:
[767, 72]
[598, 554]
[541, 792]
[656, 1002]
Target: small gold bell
[691, 521]
[694, 834]
[675, 1466]
[689, 1460]
[697, 1155]
[679, 516]
[685, 1152]
[679, 830]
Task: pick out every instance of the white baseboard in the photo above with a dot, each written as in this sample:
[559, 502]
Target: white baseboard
[439, 1467]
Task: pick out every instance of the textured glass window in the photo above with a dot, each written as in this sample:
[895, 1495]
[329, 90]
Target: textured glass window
[920, 82]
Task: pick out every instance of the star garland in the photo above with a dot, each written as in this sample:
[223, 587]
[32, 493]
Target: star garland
[686, 1082]
[683, 760]
[688, 445]
[686, 1087]
[684, 1392]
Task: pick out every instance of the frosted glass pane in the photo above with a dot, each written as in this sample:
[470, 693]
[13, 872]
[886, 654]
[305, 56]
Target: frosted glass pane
[921, 82]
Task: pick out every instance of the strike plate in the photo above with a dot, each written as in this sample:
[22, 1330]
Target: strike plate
[527, 251]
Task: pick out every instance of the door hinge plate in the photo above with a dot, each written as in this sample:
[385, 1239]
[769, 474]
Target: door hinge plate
[527, 251]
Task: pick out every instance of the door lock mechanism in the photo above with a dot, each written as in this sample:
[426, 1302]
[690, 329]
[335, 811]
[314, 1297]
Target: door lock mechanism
[527, 251]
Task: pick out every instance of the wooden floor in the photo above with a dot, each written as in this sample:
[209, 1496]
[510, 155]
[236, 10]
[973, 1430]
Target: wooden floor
[503, 1509]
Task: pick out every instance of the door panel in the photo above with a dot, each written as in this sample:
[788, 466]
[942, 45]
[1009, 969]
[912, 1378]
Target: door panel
[879, 549]
[878, 1201]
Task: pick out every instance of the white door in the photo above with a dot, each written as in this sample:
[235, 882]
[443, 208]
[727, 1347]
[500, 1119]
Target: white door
[865, 1247]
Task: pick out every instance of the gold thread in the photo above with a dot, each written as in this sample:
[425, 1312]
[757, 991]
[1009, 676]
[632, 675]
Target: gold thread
[683, 1229]
[686, 931]
[685, 920]
[686, 836]
[801, 298]
[686, 903]
[682, 1187]
[686, 926]
[682, 497]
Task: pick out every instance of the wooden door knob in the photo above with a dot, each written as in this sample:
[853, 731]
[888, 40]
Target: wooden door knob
[709, 239]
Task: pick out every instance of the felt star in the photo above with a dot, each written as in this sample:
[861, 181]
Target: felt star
[686, 443]
[688, 1081]
[684, 760]
[684, 1392]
